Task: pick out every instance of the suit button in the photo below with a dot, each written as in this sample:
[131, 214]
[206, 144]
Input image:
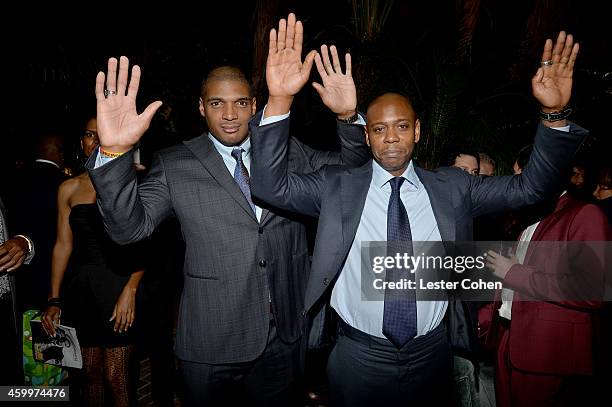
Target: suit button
[325, 281]
[260, 230]
[262, 263]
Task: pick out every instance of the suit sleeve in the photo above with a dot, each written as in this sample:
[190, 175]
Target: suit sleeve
[578, 279]
[271, 180]
[552, 154]
[131, 211]
[354, 152]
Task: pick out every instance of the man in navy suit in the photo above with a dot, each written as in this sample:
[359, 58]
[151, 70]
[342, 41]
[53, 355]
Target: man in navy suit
[396, 351]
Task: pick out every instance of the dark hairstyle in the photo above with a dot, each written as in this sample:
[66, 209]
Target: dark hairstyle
[522, 158]
[449, 161]
[605, 177]
[225, 73]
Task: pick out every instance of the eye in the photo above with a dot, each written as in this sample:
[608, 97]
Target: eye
[403, 126]
[215, 103]
[379, 129]
[242, 103]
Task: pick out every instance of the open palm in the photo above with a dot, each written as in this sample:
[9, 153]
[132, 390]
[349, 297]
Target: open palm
[338, 91]
[552, 83]
[119, 124]
[285, 72]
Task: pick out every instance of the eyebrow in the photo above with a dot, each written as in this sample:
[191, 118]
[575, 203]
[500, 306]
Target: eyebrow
[220, 99]
[393, 122]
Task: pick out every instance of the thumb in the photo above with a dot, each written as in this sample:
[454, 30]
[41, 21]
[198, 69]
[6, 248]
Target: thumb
[308, 61]
[114, 313]
[320, 89]
[539, 75]
[151, 110]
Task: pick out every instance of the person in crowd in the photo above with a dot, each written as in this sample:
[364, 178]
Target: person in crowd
[32, 203]
[246, 263]
[486, 165]
[603, 192]
[14, 252]
[396, 352]
[546, 350]
[467, 161]
[94, 285]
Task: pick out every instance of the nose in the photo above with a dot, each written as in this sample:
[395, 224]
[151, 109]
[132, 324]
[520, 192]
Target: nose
[391, 135]
[229, 112]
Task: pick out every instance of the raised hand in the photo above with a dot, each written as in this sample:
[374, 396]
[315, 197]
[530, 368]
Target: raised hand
[285, 72]
[552, 83]
[338, 90]
[119, 124]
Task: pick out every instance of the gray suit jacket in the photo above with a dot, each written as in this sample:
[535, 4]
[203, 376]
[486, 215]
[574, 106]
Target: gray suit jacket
[337, 195]
[232, 261]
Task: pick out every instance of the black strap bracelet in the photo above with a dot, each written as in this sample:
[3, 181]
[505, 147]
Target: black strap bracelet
[556, 116]
[54, 302]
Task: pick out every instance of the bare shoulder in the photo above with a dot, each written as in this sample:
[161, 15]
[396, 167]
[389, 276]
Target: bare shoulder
[74, 186]
[69, 186]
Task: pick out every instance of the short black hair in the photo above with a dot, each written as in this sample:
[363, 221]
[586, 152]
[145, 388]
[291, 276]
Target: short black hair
[226, 73]
[456, 152]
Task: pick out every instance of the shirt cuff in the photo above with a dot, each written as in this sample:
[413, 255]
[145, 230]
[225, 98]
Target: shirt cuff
[102, 159]
[564, 128]
[271, 119]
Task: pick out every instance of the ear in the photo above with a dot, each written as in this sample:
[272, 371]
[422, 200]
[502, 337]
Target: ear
[417, 130]
[82, 147]
[201, 108]
[253, 106]
[367, 135]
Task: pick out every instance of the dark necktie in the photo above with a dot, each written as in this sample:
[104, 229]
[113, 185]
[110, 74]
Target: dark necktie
[241, 176]
[400, 313]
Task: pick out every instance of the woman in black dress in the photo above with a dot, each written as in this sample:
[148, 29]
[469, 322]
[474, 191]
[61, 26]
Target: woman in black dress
[98, 281]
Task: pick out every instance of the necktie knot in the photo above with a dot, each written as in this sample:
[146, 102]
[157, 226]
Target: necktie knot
[396, 183]
[237, 154]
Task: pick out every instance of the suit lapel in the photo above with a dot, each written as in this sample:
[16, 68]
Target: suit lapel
[441, 202]
[354, 187]
[264, 215]
[209, 157]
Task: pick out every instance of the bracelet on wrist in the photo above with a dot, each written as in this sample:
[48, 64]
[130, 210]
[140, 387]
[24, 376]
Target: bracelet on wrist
[555, 116]
[27, 239]
[351, 119]
[54, 302]
[110, 154]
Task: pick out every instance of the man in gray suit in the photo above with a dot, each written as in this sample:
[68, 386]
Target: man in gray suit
[395, 352]
[246, 264]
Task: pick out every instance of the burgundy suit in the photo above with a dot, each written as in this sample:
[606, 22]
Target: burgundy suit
[546, 352]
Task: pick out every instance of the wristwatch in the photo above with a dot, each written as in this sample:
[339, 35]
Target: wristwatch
[351, 119]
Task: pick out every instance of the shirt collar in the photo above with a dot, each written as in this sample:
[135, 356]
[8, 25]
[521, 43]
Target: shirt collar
[380, 176]
[226, 151]
[42, 160]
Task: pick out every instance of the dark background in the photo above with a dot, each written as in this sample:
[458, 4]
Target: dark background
[477, 94]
